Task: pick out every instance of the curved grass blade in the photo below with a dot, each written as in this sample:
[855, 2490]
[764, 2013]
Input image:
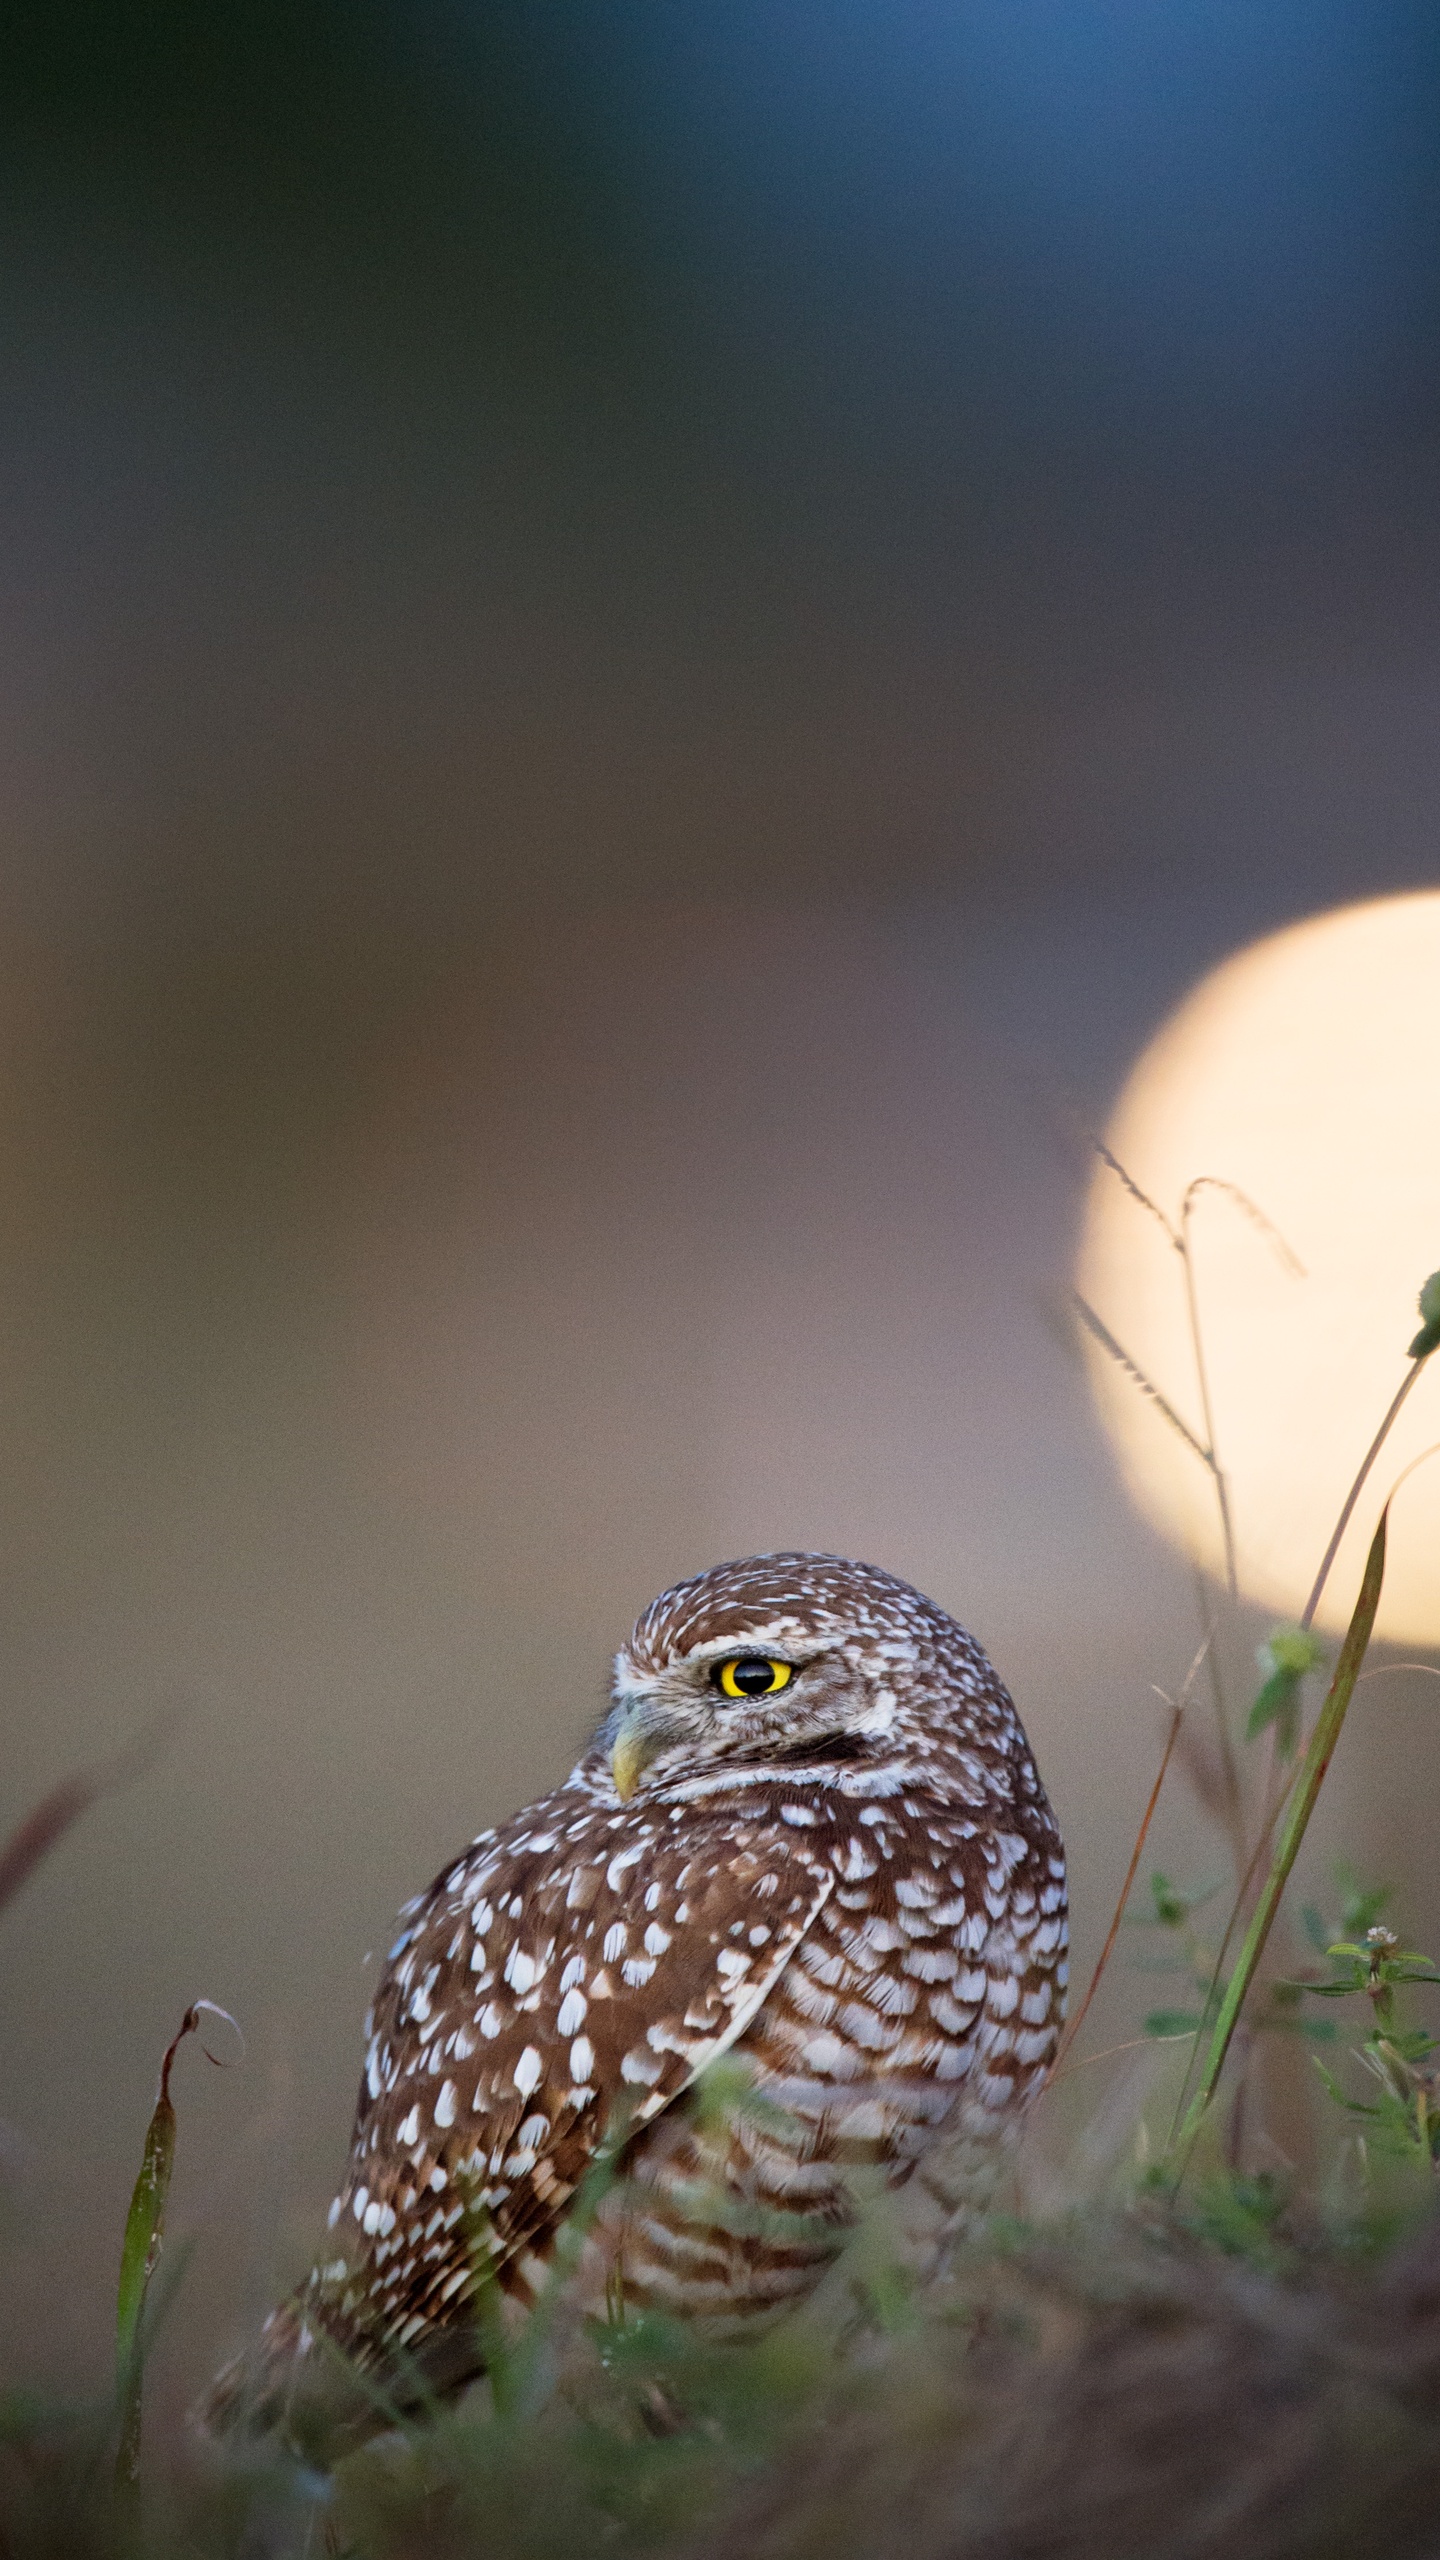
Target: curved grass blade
[140, 2255]
[1302, 1804]
[1426, 1341]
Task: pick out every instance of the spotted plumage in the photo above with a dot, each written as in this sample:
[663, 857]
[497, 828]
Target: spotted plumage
[809, 1834]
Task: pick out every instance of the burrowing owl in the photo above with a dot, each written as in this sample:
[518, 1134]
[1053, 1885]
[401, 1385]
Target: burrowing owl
[809, 1833]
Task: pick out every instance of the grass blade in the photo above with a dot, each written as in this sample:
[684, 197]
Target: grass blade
[47, 1822]
[1302, 1804]
[1426, 1341]
[140, 2255]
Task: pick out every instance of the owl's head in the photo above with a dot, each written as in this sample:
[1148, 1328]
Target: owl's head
[785, 1661]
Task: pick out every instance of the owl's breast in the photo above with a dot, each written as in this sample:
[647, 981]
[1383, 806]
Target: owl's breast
[912, 2020]
[929, 1991]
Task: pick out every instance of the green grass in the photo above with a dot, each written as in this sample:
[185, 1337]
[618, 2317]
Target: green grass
[1198, 2356]
[1227, 2371]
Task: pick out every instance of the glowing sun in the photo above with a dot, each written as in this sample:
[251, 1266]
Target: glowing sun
[1305, 1072]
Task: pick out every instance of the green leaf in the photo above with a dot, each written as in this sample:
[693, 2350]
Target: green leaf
[1361, 1905]
[1413, 2044]
[1279, 1704]
[1173, 2022]
[1174, 1903]
[1286, 1656]
[1293, 1649]
[1315, 1928]
[1429, 1334]
[1171, 1907]
[140, 2255]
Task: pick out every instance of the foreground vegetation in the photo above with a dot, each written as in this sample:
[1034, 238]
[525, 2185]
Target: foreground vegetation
[1198, 2355]
[1211, 2376]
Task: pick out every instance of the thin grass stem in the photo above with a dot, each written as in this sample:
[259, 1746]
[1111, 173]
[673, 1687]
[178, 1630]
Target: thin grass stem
[1311, 1778]
[1096, 1326]
[1237, 1911]
[1233, 1793]
[1107, 2053]
[1202, 1377]
[1177, 1715]
[1353, 1496]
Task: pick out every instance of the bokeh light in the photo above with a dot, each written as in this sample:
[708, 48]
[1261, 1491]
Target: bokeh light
[1303, 1072]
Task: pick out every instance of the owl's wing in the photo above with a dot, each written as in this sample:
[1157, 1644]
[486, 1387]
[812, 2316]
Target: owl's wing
[554, 1987]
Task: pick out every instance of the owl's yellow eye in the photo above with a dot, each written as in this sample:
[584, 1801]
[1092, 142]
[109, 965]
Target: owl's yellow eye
[753, 1675]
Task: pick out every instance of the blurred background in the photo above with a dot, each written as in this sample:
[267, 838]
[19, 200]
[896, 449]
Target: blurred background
[639, 643]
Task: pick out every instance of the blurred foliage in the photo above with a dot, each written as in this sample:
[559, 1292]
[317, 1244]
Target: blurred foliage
[1217, 2379]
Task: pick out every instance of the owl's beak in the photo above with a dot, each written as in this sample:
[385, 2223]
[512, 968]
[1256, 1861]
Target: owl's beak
[644, 1731]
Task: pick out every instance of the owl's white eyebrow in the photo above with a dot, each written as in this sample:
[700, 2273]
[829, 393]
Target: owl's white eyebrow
[779, 1640]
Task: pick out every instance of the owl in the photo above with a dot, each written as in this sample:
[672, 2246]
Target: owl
[809, 1835]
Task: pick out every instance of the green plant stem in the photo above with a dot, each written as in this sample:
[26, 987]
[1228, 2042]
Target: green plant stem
[1418, 1359]
[1357, 1488]
[1311, 1778]
[1252, 1869]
